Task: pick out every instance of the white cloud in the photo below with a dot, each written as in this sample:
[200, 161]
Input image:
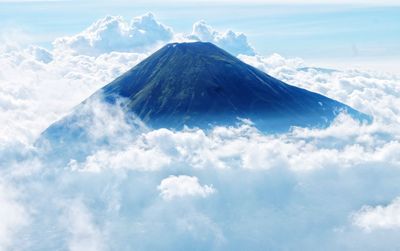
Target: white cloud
[274, 64]
[181, 186]
[144, 34]
[131, 158]
[116, 34]
[374, 93]
[379, 217]
[233, 42]
[346, 143]
[13, 216]
[36, 91]
[84, 234]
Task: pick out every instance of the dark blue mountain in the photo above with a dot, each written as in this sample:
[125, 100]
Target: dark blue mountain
[200, 85]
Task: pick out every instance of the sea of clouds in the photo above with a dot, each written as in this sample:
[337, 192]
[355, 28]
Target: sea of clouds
[227, 188]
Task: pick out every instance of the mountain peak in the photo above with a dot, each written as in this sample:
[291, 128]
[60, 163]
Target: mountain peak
[194, 47]
[198, 84]
[194, 44]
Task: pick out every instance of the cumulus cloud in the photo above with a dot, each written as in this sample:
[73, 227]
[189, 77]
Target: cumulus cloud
[141, 35]
[114, 33]
[379, 217]
[181, 186]
[235, 43]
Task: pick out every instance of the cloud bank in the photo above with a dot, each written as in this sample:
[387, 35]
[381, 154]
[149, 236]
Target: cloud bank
[229, 188]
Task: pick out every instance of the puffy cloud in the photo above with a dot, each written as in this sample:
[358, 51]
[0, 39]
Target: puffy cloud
[181, 186]
[345, 143]
[379, 217]
[113, 33]
[235, 43]
[144, 34]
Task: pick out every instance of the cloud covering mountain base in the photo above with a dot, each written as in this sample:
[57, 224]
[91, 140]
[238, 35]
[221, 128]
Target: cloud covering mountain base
[229, 188]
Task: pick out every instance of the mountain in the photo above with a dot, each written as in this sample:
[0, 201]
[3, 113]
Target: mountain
[197, 84]
[200, 85]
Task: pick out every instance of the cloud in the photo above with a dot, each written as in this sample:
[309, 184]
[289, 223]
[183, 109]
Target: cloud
[40, 54]
[235, 43]
[181, 186]
[345, 143]
[13, 215]
[130, 158]
[379, 217]
[144, 34]
[113, 33]
[84, 234]
[39, 86]
[362, 90]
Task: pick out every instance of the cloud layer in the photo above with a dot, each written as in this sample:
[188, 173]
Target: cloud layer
[229, 188]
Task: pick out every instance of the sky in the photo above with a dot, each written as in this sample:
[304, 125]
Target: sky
[337, 34]
[128, 187]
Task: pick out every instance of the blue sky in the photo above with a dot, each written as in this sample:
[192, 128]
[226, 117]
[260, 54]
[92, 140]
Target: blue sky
[337, 35]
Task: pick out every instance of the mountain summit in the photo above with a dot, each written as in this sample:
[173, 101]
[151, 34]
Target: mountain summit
[199, 84]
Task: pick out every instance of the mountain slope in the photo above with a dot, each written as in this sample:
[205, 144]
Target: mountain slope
[197, 84]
